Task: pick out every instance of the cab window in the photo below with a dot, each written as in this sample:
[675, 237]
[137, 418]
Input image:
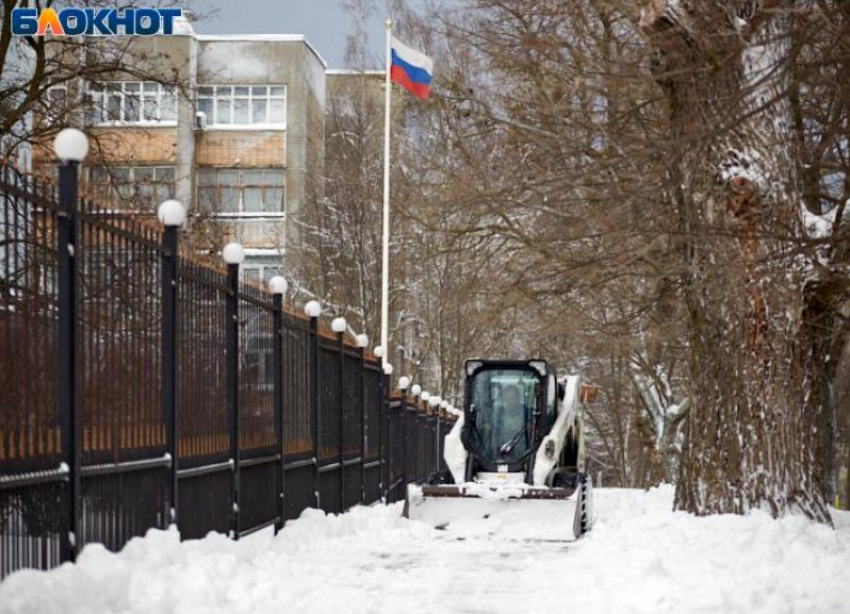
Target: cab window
[504, 401]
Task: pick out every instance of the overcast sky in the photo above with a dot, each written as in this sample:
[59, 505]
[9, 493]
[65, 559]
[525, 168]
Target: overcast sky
[323, 22]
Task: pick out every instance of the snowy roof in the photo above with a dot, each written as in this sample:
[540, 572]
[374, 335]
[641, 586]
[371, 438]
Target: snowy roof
[262, 251]
[263, 38]
[183, 24]
[350, 71]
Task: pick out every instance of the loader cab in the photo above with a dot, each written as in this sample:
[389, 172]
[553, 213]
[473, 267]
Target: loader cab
[509, 407]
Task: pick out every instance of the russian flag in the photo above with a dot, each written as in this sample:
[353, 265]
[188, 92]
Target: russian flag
[411, 69]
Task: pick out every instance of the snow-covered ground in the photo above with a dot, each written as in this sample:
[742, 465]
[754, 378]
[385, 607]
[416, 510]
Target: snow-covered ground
[641, 557]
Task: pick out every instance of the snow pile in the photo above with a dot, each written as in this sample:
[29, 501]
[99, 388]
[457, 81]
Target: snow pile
[641, 557]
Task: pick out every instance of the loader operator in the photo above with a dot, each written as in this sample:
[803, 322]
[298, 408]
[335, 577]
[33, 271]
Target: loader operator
[510, 423]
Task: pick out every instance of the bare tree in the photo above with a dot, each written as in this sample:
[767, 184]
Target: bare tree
[647, 162]
[724, 70]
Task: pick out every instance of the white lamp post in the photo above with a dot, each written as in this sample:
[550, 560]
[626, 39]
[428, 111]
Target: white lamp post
[171, 213]
[71, 145]
[278, 285]
[313, 309]
[233, 253]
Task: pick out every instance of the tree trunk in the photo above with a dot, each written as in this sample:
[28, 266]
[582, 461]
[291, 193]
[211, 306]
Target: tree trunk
[749, 443]
[846, 504]
[823, 342]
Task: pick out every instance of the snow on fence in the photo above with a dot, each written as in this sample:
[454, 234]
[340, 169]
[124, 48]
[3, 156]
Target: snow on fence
[179, 394]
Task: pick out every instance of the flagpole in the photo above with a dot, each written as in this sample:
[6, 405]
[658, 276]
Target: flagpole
[385, 246]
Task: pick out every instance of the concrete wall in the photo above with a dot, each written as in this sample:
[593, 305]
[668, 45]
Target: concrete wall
[285, 61]
[168, 59]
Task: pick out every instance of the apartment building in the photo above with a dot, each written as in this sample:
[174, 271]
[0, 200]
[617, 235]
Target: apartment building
[233, 126]
[236, 127]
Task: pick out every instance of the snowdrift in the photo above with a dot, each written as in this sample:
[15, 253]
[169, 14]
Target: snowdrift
[640, 557]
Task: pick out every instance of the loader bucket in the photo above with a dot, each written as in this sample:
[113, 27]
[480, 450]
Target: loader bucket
[479, 510]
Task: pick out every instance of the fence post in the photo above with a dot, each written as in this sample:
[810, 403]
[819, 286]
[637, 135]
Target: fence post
[388, 422]
[278, 286]
[422, 438]
[409, 439]
[362, 342]
[313, 309]
[233, 255]
[403, 385]
[71, 147]
[433, 406]
[338, 326]
[172, 214]
[437, 426]
[384, 422]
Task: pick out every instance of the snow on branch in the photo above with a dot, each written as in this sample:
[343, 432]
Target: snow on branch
[665, 17]
[656, 394]
[818, 226]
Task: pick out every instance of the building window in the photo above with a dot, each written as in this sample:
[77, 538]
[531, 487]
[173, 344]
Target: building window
[260, 272]
[57, 100]
[145, 187]
[243, 105]
[257, 191]
[57, 94]
[132, 102]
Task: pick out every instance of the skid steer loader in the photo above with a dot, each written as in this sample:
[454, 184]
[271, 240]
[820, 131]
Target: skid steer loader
[515, 458]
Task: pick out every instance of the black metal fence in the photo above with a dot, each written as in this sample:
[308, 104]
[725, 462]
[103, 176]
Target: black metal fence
[139, 388]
